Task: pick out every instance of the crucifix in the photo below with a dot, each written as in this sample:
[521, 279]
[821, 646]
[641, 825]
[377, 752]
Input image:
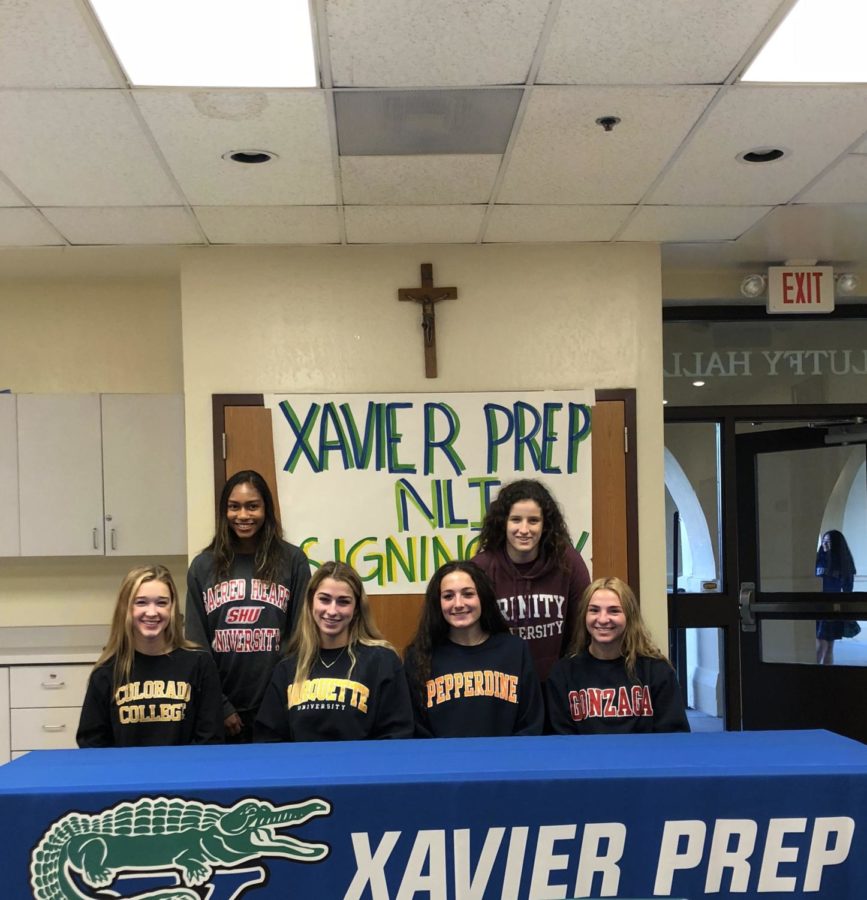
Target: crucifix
[428, 295]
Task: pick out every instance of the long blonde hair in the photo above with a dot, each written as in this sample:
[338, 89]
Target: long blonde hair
[121, 641]
[636, 637]
[362, 628]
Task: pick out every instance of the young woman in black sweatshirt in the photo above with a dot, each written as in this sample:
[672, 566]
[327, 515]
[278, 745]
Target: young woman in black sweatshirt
[341, 680]
[150, 687]
[468, 676]
[614, 680]
[243, 594]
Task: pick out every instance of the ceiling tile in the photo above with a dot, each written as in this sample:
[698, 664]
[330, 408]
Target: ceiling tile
[562, 156]
[48, 43]
[124, 225]
[520, 224]
[391, 123]
[691, 223]
[815, 124]
[26, 228]
[417, 179]
[395, 43]
[79, 148]
[195, 128]
[652, 42]
[270, 224]
[413, 224]
[845, 183]
[831, 234]
[9, 197]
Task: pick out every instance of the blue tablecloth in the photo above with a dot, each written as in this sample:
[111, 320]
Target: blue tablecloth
[755, 815]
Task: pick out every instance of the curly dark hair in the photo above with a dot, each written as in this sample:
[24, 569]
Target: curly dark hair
[555, 542]
[269, 553]
[433, 630]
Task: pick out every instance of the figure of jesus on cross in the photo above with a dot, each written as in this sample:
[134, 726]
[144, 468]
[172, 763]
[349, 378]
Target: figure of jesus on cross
[428, 295]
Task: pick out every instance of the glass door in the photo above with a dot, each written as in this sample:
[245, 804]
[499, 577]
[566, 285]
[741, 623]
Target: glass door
[803, 660]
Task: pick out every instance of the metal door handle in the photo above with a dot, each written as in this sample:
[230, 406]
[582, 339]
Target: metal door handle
[53, 685]
[95, 540]
[745, 603]
[54, 727]
[114, 539]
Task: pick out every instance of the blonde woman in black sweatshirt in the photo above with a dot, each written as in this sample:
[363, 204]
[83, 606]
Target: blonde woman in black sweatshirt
[614, 680]
[150, 686]
[341, 681]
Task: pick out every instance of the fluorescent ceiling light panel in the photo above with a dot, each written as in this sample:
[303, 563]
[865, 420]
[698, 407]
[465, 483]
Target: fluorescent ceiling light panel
[211, 43]
[819, 41]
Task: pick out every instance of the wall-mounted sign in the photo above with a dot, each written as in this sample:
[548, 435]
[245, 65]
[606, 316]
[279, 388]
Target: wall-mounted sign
[398, 484]
[800, 289]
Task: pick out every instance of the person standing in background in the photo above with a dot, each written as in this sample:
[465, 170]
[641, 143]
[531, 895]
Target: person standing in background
[243, 595]
[538, 576]
[836, 568]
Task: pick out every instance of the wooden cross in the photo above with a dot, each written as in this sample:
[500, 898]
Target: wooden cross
[428, 295]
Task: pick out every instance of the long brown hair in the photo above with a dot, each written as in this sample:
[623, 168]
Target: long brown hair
[362, 628]
[636, 638]
[269, 551]
[121, 640]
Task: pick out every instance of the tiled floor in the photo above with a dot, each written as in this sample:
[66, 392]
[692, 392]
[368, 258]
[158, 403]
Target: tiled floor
[702, 722]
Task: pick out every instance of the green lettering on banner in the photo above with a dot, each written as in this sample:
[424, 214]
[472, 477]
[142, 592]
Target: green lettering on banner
[446, 443]
[579, 431]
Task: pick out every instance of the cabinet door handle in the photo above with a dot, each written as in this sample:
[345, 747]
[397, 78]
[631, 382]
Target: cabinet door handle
[54, 727]
[95, 540]
[114, 539]
[53, 685]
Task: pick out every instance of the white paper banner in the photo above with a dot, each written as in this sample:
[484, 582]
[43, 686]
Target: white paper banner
[398, 484]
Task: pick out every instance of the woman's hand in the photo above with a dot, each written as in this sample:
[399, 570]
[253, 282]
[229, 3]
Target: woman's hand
[233, 725]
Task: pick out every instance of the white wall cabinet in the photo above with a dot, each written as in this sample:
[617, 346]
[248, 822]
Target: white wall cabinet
[144, 474]
[60, 475]
[10, 543]
[101, 474]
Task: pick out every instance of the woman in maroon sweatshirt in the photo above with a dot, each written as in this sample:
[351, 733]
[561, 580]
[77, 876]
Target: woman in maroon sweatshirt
[538, 576]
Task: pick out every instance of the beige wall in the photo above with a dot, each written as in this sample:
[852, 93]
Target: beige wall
[89, 335]
[327, 318]
[81, 336]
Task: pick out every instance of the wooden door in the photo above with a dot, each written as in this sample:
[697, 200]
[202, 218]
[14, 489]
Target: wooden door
[248, 445]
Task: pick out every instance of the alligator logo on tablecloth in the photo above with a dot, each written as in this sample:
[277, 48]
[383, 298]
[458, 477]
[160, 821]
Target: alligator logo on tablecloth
[157, 834]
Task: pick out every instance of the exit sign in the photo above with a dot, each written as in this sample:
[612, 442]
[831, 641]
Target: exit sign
[800, 289]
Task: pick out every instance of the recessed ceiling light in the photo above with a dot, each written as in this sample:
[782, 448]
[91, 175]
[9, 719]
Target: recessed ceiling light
[211, 43]
[818, 41]
[761, 155]
[698, 384]
[250, 157]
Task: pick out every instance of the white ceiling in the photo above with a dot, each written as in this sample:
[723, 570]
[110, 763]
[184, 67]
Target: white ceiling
[86, 160]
